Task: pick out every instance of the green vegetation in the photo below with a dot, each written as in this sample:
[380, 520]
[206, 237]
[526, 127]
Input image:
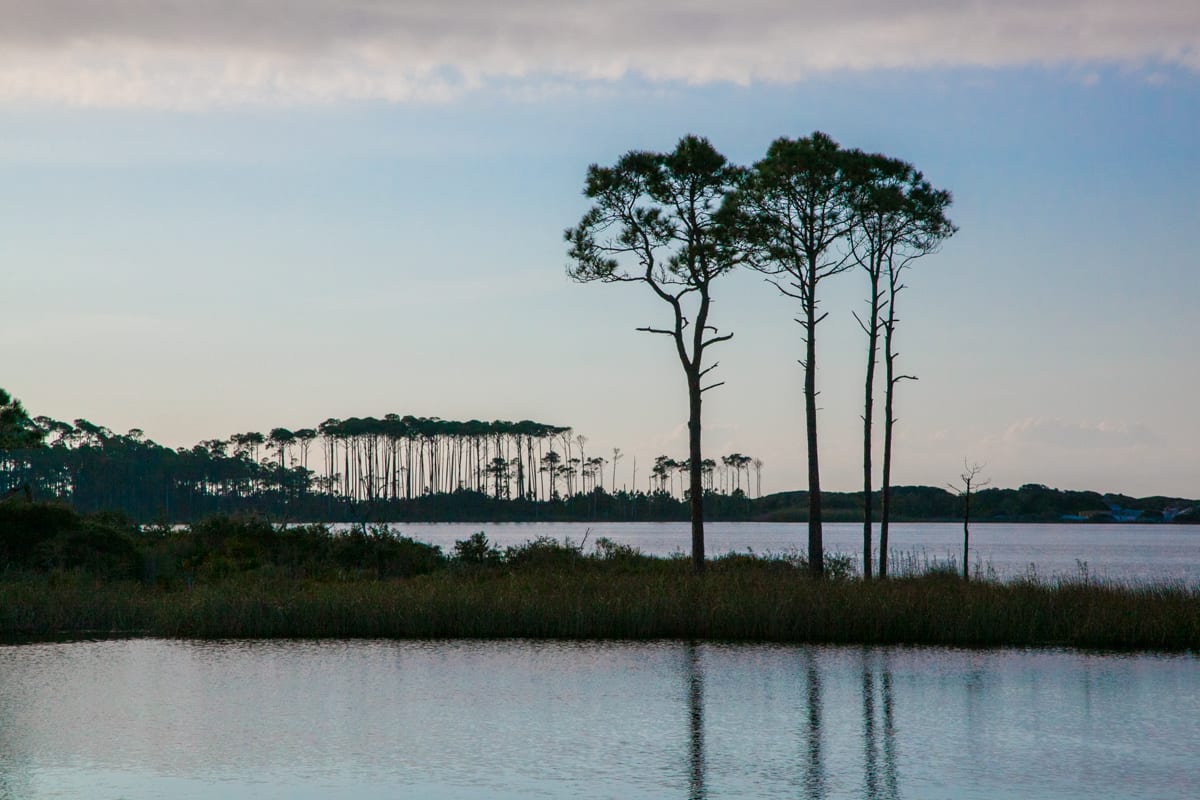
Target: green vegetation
[369, 469]
[67, 576]
[95, 469]
[1029, 503]
[17, 430]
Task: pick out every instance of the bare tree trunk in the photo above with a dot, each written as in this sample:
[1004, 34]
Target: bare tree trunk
[889, 420]
[816, 550]
[886, 489]
[968, 480]
[966, 532]
[868, 412]
[872, 329]
[696, 500]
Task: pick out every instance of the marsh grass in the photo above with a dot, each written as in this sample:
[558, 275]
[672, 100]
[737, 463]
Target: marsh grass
[244, 579]
[735, 601]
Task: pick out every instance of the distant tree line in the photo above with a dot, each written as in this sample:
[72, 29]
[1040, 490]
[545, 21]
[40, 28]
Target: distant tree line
[357, 469]
[1029, 503]
[421, 469]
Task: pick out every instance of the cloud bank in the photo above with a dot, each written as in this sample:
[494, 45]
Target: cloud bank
[152, 53]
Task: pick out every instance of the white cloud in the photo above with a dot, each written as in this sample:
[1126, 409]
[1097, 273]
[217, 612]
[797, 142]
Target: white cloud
[139, 53]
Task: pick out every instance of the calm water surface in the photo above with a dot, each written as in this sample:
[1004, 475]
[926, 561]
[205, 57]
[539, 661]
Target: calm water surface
[166, 719]
[1123, 552]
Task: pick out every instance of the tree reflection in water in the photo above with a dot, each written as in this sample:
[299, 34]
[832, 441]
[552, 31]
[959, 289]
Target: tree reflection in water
[880, 754]
[870, 735]
[695, 678]
[881, 780]
[814, 776]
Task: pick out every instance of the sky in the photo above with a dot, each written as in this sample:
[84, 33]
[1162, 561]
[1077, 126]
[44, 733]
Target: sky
[226, 216]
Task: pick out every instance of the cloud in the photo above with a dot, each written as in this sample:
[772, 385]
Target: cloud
[1063, 434]
[147, 53]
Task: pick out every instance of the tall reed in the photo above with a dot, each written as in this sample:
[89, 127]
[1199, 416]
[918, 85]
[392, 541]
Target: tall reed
[756, 601]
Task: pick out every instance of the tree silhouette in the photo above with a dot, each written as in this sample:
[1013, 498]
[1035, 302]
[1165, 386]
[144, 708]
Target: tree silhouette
[595, 473]
[914, 225]
[878, 188]
[18, 435]
[655, 221]
[795, 210]
[305, 437]
[736, 463]
[968, 481]
[280, 439]
[661, 471]
[17, 430]
[550, 463]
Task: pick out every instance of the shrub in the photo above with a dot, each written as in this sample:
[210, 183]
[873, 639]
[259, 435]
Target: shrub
[543, 551]
[49, 536]
[388, 555]
[608, 550]
[476, 549]
[840, 566]
[98, 549]
[24, 527]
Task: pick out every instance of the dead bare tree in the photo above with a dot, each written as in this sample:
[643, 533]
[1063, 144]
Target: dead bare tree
[968, 482]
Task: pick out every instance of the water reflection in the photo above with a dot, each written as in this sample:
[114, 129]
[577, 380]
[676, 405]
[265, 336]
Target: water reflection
[891, 775]
[14, 771]
[881, 778]
[870, 738]
[695, 680]
[814, 774]
[282, 720]
[878, 741]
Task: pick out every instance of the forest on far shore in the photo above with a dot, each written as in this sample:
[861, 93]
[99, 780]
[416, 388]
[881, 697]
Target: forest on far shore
[523, 478]
[416, 469]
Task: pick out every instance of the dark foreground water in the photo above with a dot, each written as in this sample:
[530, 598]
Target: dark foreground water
[165, 719]
[1124, 552]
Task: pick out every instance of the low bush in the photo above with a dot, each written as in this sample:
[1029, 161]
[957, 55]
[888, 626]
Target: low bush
[477, 550]
[542, 553]
[43, 537]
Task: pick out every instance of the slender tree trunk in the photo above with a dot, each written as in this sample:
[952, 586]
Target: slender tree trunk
[868, 409]
[889, 384]
[886, 489]
[889, 421]
[872, 327]
[816, 550]
[696, 500]
[966, 532]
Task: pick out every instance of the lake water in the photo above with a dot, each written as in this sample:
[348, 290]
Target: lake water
[1123, 552]
[168, 719]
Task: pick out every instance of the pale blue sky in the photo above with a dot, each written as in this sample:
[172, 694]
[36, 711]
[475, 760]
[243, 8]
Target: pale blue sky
[205, 230]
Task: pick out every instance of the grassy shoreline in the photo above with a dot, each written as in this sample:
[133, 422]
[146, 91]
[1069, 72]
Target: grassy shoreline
[736, 605]
[62, 575]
